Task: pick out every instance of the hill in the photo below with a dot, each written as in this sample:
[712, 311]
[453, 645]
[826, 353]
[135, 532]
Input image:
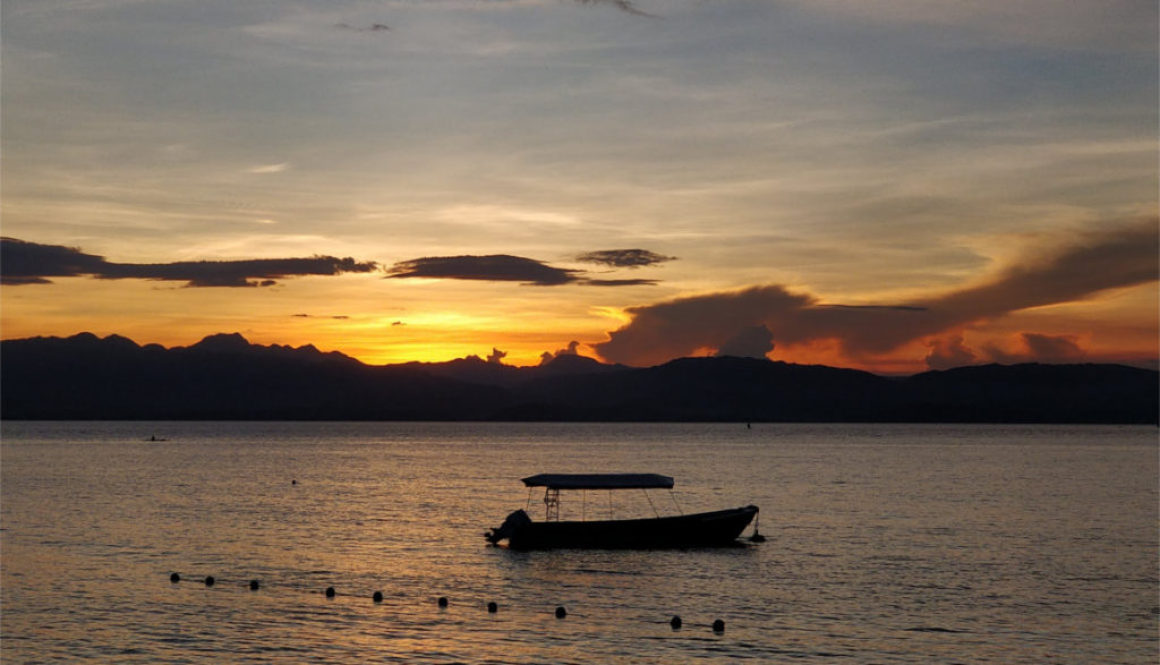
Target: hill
[224, 377]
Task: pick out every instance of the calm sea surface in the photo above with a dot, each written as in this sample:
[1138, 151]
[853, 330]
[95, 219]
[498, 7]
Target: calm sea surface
[886, 544]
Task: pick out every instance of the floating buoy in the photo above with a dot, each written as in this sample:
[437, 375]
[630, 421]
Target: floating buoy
[492, 608]
[561, 612]
[442, 601]
[718, 626]
[675, 622]
[175, 578]
[254, 585]
[330, 592]
[209, 580]
[378, 597]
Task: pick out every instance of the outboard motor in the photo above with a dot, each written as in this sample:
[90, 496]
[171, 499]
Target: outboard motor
[513, 522]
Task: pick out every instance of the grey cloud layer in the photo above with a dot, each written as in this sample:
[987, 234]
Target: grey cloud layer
[1096, 261]
[24, 262]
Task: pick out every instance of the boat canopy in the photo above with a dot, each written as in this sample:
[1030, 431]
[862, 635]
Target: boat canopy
[599, 481]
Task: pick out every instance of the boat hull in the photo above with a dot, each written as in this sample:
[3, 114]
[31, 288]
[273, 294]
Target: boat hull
[712, 529]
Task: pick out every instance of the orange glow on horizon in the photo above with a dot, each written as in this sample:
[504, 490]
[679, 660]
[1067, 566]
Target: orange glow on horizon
[1119, 326]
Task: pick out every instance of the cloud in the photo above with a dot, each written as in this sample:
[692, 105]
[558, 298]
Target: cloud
[948, 352]
[571, 350]
[374, 27]
[269, 168]
[496, 357]
[23, 262]
[623, 5]
[1037, 347]
[1053, 348]
[1107, 24]
[624, 258]
[32, 263]
[682, 327]
[495, 267]
[620, 282]
[1124, 255]
[500, 268]
[753, 342]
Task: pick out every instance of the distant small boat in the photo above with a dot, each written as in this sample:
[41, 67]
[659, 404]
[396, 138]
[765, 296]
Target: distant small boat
[711, 529]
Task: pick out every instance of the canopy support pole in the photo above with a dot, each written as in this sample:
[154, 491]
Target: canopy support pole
[650, 503]
[551, 504]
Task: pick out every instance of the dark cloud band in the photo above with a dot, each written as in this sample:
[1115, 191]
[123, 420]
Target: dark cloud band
[624, 258]
[495, 267]
[500, 268]
[620, 282]
[24, 262]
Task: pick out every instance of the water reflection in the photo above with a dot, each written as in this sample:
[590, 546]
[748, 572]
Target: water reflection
[908, 543]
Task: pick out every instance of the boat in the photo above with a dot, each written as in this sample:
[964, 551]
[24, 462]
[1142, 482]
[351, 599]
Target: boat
[709, 529]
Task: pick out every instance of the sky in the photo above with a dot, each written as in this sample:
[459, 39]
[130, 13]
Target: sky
[896, 186]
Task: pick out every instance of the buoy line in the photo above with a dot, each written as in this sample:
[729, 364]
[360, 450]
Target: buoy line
[443, 602]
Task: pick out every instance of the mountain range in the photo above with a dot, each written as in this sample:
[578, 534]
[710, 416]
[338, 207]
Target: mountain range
[225, 377]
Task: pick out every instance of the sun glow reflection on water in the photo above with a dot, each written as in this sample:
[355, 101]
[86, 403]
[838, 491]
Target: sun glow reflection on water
[886, 544]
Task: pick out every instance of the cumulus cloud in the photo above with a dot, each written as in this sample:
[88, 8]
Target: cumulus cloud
[1054, 348]
[24, 262]
[1124, 255]
[571, 350]
[753, 342]
[948, 352]
[684, 326]
[496, 357]
[624, 258]
[1037, 347]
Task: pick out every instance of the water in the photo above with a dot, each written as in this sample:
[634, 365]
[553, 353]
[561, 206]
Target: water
[886, 544]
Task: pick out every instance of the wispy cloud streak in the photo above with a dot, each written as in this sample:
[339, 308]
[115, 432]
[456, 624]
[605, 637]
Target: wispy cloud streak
[622, 5]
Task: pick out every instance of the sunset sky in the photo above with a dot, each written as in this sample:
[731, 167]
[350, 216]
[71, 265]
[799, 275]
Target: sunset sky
[893, 185]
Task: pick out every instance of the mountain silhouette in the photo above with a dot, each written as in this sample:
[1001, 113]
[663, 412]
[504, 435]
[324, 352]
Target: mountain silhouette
[225, 377]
